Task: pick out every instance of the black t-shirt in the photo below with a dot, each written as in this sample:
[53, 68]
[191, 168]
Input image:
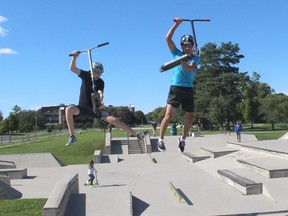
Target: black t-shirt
[86, 88]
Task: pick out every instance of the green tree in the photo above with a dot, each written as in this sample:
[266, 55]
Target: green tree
[254, 91]
[156, 115]
[27, 121]
[218, 84]
[274, 107]
[140, 117]
[16, 109]
[123, 113]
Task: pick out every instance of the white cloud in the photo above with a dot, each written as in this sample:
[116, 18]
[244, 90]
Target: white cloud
[3, 19]
[7, 51]
[3, 31]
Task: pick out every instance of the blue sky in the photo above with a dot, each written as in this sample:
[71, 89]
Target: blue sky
[37, 36]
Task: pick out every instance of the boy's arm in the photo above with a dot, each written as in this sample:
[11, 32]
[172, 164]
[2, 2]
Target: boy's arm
[73, 67]
[170, 33]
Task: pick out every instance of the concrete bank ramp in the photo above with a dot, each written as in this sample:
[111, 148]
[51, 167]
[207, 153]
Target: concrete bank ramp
[34, 160]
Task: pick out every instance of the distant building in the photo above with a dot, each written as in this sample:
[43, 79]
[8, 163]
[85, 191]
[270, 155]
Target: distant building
[54, 114]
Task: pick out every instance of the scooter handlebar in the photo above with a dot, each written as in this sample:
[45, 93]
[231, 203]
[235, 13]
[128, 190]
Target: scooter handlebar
[196, 20]
[100, 45]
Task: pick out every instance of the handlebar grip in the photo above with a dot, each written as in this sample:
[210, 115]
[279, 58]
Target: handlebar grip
[204, 20]
[72, 54]
[103, 44]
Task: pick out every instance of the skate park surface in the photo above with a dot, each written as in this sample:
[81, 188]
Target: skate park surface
[140, 184]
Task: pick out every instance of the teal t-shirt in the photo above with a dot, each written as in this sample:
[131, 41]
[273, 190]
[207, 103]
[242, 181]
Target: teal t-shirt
[181, 77]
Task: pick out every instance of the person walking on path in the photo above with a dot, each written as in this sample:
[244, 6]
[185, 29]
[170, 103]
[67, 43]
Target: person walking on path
[238, 129]
[85, 107]
[181, 88]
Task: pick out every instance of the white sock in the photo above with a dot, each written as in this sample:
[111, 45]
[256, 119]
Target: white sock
[182, 139]
[159, 140]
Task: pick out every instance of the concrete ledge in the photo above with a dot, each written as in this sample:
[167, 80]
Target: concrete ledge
[7, 164]
[218, 152]
[267, 167]
[269, 152]
[240, 183]
[194, 158]
[148, 144]
[14, 173]
[196, 134]
[60, 195]
[5, 179]
[97, 156]
[108, 143]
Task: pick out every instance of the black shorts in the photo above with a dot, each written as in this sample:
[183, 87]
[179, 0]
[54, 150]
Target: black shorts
[88, 112]
[181, 95]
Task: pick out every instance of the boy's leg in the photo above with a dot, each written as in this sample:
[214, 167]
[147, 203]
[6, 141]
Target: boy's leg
[116, 122]
[170, 110]
[70, 112]
[187, 124]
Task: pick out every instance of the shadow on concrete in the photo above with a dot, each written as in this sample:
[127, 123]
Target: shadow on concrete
[154, 147]
[76, 205]
[112, 185]
[7, 192]
[184, 197]
[116, 147]
[106, 159]
[58, 160]
[284, 212]
[139, 206]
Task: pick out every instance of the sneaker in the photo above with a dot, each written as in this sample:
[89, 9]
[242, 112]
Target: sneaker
[141, 135]
[181, 145]
[161, 146]
[72, 139]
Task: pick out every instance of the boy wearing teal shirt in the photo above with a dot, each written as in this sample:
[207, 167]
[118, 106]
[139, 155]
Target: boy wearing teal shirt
[181, 89]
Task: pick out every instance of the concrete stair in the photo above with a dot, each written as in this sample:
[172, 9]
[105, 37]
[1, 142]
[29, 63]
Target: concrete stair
[136, 147]
[127, 146]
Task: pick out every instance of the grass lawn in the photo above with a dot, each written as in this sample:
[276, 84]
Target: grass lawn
[80, 153]
[22, 207]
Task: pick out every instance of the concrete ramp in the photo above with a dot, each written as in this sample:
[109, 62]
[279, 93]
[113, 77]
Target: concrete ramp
[275, 148]
[34, 160]
[7, 192]
[285, 136]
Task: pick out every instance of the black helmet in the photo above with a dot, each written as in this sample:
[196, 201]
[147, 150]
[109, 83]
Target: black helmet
[187, 39]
